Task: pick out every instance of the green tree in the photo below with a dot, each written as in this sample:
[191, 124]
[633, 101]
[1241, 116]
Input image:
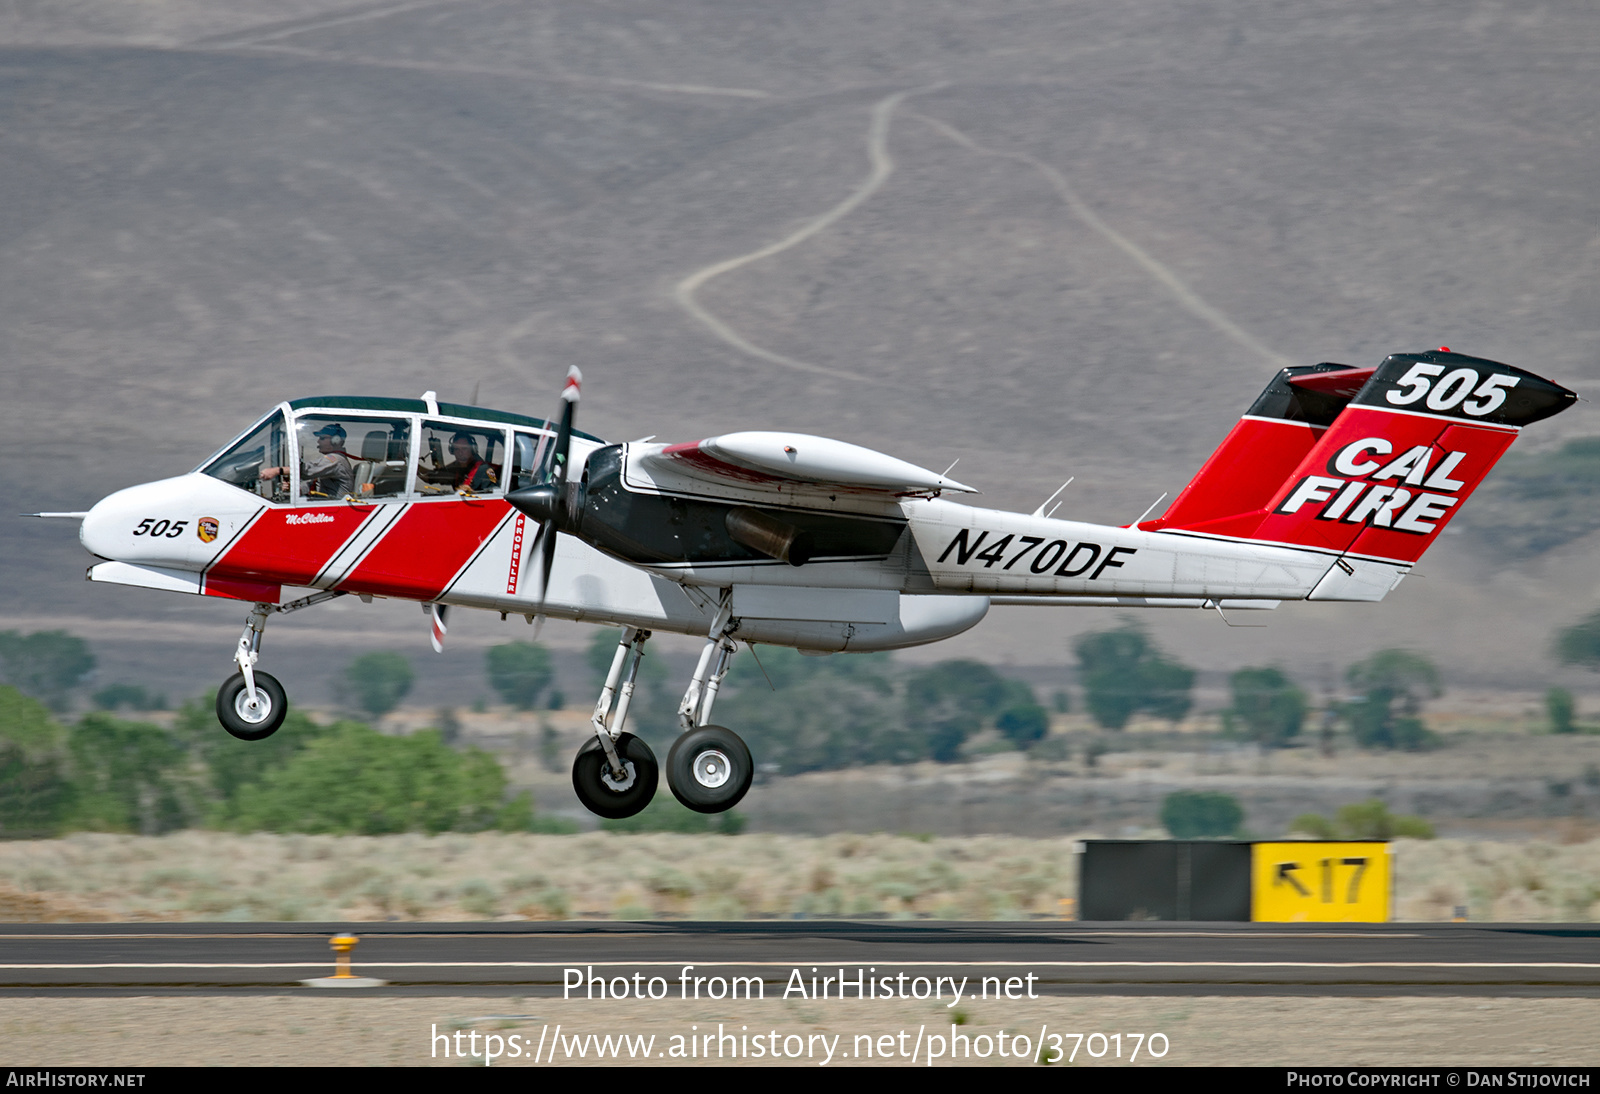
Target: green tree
[1199, 814]
[45, 664]
[1370, 819]
[1561, 707]
[1392, 685]
[1122, 673]
[519, 671]
[132, 777]
[230, 764]
[34, 791]
[950, 701]
[1267, 707]
[128, 697]
[817, 713]
[354, 781]
[1023, 723]
[379, 680]
[1579, 644]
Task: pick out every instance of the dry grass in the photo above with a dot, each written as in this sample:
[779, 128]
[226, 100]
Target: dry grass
[213, 876]
[204, 875]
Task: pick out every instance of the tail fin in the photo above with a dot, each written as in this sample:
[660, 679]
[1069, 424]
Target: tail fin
[1367, 463]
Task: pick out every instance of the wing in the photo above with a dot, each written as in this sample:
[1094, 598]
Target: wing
[790, 462]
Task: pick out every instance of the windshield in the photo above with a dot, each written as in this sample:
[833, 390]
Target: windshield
[263, 448]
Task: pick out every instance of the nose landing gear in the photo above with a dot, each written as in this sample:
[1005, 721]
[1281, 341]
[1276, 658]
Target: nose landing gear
[251, 718]
[251, 705]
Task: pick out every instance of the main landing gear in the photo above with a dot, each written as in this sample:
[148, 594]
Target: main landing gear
[708, 769]
[615, 772]
[251, 705]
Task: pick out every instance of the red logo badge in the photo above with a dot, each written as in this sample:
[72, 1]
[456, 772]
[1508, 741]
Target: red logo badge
[206, 529]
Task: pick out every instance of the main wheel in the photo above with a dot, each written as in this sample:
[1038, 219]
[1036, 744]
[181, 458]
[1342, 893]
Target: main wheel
[251, 721]
[606, 797]
[709, 769]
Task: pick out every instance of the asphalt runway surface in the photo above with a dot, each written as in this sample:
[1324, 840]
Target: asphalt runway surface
[1048, 958]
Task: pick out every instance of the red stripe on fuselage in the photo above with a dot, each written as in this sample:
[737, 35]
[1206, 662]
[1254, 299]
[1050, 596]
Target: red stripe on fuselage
[426, 548]
[290, 546]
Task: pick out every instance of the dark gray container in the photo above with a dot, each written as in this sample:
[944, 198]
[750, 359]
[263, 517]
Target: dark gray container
[1164, 879]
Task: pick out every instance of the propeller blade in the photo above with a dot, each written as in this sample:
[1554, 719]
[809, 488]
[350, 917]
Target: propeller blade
[547, 502]
[545, 544]
[569, 399]
[441, 612]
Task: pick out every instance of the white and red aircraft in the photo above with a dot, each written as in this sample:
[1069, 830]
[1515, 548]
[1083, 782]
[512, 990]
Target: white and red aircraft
[1329, 488]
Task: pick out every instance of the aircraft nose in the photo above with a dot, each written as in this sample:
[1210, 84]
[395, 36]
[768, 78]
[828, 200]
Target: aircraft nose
[109, 528]
[95, 533]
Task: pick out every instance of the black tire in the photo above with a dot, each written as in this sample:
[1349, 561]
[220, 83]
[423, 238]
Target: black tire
[238, 719]
[709, 769]
[591, 777]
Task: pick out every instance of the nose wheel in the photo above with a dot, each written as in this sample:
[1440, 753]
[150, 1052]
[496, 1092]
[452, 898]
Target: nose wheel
[251, 705]
[709, 769]
[601, 792]
[251, 720]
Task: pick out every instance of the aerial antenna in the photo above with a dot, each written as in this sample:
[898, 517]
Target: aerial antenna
[476, 384]
[759, 665]
[1039, 512]
[1217, 604]
[951, 468]
[1152, 509]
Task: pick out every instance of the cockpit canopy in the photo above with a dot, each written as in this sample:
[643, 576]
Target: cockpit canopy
[314, 451]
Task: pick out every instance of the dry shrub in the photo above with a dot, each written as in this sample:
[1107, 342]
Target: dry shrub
[209, 875]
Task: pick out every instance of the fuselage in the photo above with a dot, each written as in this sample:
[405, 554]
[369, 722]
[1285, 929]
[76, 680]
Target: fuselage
[422, 515]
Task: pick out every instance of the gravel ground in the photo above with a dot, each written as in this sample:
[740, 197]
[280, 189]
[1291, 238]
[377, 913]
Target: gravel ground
[319, 1030]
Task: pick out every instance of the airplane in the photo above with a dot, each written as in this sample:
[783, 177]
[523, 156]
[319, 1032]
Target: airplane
[1329, 488]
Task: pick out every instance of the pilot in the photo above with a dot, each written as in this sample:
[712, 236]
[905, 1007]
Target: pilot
[330, 474]
[466, 470]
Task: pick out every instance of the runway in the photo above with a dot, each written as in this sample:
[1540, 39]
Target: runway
[1041, 957]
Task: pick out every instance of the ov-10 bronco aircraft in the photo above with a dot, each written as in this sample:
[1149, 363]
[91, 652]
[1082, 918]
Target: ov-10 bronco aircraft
[1329, 488]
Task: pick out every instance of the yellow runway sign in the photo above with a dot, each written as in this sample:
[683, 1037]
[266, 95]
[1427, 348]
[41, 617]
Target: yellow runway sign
[1303, 881]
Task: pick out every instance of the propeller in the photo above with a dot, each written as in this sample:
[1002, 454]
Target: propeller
[440, 614]
[546, 501]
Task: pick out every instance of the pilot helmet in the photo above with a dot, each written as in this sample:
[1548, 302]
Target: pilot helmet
[332, 430]
[472, 442]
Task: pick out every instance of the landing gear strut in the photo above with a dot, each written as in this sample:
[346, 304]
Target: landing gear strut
[251, 705]
[709, 768]
[615, 773]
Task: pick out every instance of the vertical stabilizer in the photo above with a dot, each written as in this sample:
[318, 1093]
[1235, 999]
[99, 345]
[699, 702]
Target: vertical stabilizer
[1372, 473]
